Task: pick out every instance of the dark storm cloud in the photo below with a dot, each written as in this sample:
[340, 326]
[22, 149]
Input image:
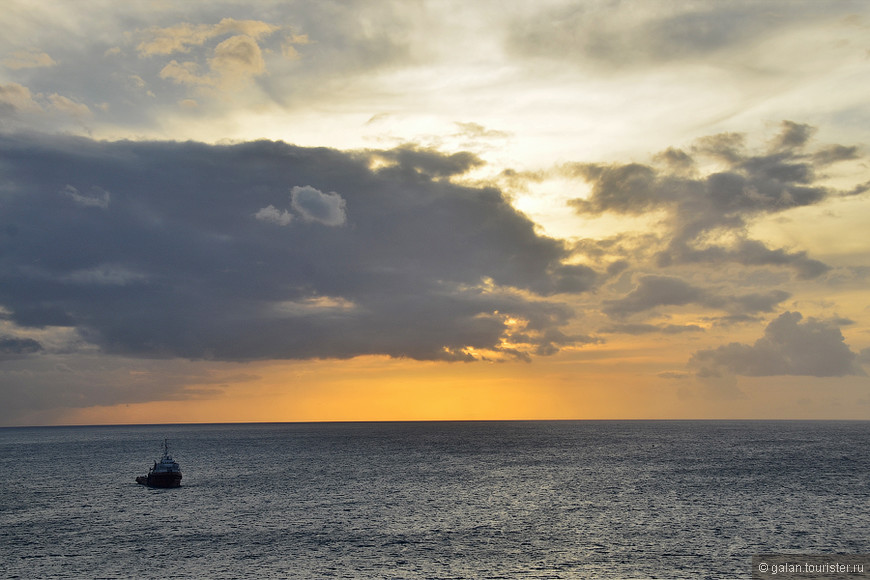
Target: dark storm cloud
[12, 346]
[656, 291]
[49, 385]
[789, 347]
[431, 162]
[694, 206]
[165, 249]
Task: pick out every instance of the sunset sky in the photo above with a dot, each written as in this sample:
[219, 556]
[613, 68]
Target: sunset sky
[221, 211]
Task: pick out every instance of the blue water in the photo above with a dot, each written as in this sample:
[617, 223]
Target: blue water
[432, 500]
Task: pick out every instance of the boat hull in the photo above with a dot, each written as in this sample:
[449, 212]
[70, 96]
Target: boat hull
[160, 480]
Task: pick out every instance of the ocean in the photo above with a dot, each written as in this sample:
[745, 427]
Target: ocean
[477, 500]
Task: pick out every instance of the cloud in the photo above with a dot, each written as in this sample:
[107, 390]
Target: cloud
[11, 346]
[20, 108]
[69, 106]
[653, 291]
[96, 197]
[185, 73]
[238, 57]
[37, 389]
[615, 35]
[478, 131]
[834, 153]
[104, 274]
[182, 37]
[136, 82]
[310, 205]
[705, 217]
[748, 253]
[15, 97]
[656, 291]
[175, 266]
[428, 162]
[675, 375]
[288, 47]
[315, 206]
[228, 64]
[28, 59]
[637, 329]
[234, 61]
[789, 347]
[276, 61]
[792, 136]
[273, 215]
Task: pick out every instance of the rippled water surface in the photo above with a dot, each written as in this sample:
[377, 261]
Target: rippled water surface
[432, 500]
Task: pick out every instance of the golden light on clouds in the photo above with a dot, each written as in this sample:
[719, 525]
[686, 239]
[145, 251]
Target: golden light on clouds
[376, 211]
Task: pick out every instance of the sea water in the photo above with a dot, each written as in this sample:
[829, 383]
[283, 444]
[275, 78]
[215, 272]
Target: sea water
[635, 499]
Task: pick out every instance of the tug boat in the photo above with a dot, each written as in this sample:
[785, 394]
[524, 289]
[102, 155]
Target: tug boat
[165, 473]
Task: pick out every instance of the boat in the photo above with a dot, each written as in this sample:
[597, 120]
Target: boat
[165, 473]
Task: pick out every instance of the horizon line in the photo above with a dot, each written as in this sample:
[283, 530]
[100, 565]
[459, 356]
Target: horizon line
[382, 421]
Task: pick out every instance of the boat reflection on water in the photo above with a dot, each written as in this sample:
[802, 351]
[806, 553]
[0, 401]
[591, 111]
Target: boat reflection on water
[165, 473]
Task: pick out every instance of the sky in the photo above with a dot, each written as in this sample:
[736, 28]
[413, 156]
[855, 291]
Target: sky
[225, 211]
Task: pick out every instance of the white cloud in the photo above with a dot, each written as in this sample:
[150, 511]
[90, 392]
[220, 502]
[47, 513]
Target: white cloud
[310, 205]
[273, 215]
[315, 206]
[96, 197]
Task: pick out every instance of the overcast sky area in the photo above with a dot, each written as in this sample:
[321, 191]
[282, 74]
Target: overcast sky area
[366, 210]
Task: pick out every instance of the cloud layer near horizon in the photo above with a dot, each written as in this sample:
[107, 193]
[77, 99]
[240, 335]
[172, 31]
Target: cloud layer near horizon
[264, 250]
[165, 254]
[789, 347]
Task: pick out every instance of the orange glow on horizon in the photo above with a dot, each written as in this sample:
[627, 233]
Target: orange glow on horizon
[602, 382]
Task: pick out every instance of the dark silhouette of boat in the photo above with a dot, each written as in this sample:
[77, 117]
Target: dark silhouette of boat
[165, 473]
